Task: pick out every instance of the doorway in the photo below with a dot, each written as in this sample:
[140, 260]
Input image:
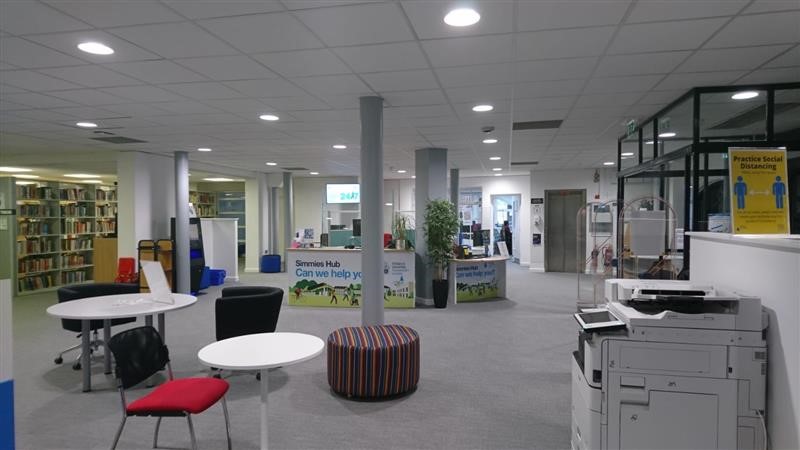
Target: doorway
[561, 248]
[505, 207]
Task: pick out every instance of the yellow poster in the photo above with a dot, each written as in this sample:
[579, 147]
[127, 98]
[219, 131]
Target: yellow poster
[759, 203]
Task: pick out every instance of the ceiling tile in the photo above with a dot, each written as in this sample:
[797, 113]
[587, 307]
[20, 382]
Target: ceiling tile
[660, 97]
[266, 88]
[7, 89]
[383, 57]
[83, 112]
[415, 98]
[686, 81]
[7, 66]
[643, 64]
[142, 93]
[410, 80]
[544, 15]
[186, 107]
[33, 81]
[203, 9]
[227, 68]
[303, 63]
[91, 76]
[659, 10]
[116, 14]
[484, 94]
[327, 115]
[664, 36]
[308, 4]
[89, 97]
[36, 100]
[762, 29]
[427, 18]
[333, 85]
[563, 43]
[175, 40]
[203, 91]
[548, 88]
[788, 59]
[465, 51]
[135, 109]
[638, 83]
[371, 23]
[522, 106]
[341, 101]
[296, 103]
[156, 71]
[759, 6]
[731, 58]
[780, 75]
[241, 106]
[556, 69]
[474, 75]
[27, 17]
[27, 55]
[613, 100]
[260, 33]
[68, 43]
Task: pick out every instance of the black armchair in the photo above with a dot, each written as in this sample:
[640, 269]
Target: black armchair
[79, 291]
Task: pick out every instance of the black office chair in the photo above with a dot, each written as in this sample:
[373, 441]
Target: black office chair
[138, 354]
[79, 291]
[247, 310]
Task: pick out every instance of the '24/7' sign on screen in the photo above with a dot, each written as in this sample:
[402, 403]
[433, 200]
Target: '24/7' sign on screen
[343, 193]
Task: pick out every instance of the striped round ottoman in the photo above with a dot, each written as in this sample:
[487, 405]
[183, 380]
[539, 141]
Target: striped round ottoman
[373, 362]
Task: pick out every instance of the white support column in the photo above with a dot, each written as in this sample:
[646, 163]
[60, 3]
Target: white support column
[431, 184]
[182, 272]
[454, 187]
[256, 218]
[372, 210]
[288, 209]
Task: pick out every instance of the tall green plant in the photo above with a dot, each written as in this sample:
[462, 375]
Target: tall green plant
[441, 226]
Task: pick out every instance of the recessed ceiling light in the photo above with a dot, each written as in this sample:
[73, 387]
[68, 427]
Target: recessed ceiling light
[204, 149]
[462, 17]
[495, 158]
[96, 48]
[402, 171]
[217, 179]
[627, 154]
[272, 164]
[387, 204]
[81, 175]
[413, 177]
[498, 174]
[91, 181]
[269, 117]
[490, 141]
[648, 142]
[608, 163]
[497, 169]
[86, 124]
[339, 147]
[25, 175]
[14, 169]
[668, 134]
[313, 173]
[744, 95]
[24, 183]
[482, 108]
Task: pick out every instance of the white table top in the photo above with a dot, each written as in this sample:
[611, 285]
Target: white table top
[117, 306]
[261, 351]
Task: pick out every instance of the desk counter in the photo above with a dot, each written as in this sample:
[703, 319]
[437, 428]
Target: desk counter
[476, 279]
[331, 277]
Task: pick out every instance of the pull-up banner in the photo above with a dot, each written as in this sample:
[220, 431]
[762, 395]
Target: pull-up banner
[759, 191]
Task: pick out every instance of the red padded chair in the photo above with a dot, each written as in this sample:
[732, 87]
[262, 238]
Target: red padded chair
[138, 354]
[126, 271]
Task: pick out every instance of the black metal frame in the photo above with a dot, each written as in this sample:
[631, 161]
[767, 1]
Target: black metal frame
[695, 172]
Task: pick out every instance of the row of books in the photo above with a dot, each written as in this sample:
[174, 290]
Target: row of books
[75, 194]
[35, 245]
[35, 228]
[75, 276]
[36, 193]
[75, 210]
[35, 282]
[74, 259]
[105, 210]
[37, 210]
[106, 226]
[103, 195]
[76, 244]
[35, 265]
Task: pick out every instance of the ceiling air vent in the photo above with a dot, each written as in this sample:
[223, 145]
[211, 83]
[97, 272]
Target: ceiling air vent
[295, 168]
[525, 163]
[537, 125]
[119, 140]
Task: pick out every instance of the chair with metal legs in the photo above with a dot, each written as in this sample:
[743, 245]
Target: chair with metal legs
[138, 354]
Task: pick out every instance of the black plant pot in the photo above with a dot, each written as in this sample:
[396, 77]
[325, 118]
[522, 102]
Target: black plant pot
[440, 288]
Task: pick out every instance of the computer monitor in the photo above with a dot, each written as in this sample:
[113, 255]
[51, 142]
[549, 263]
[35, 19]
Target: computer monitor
[356, 227]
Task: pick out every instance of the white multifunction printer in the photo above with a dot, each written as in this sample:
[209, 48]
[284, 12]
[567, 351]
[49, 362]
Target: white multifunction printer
[670, 365]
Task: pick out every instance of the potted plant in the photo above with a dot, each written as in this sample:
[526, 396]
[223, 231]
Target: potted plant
[400, 224]
[441, 226]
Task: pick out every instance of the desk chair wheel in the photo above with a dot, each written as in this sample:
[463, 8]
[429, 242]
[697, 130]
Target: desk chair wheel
[258, 376]
[58, 360]
[76, 366]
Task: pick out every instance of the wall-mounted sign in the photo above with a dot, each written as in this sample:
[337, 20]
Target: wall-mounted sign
[630, 128]
[537, 201]
[537, 239]
[758, 191]
[342, 193]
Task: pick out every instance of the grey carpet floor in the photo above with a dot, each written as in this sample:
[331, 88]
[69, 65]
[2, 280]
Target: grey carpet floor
[494, 375]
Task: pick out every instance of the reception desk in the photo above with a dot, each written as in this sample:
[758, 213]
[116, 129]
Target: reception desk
[477, 279]
[331, 277]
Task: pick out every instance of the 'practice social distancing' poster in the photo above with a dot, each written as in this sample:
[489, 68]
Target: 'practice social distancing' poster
[759, 191]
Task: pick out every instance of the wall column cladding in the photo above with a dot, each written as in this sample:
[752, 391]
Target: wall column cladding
[182, 271]
[431, 184]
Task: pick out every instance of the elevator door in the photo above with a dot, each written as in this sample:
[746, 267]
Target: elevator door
[563, 247]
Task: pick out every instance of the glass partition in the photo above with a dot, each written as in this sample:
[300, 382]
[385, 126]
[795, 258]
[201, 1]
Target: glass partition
[629, 156]
[733, 116]
[675, 127]
[648, 142]
[787, 114]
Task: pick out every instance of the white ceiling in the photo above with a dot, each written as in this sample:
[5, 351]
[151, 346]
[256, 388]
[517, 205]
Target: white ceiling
[197, 73]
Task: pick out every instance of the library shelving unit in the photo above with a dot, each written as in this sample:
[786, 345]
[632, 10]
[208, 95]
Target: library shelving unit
[205, 203]
[56, 222]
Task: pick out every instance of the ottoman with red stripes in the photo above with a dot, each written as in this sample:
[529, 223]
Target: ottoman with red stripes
[373, 362]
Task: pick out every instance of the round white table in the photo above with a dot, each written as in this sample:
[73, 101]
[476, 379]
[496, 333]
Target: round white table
[261, 352]
[109, 307]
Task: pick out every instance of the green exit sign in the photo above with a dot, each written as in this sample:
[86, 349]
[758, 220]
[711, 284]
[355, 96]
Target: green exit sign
[631, 127]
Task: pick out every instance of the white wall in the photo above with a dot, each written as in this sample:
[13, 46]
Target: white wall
[309, 200]
[605, 189]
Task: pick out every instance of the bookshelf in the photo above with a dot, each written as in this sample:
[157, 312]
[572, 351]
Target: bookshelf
[231, 205]
[205, 203]
[56, 223]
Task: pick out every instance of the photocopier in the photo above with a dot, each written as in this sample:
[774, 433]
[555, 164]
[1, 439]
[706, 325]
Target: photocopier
[670, 365]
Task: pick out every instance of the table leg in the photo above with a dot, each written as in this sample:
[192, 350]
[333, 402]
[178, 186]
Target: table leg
[264, 408]
[85, 355]
[148, 321]
[162, 328]
[106, 351]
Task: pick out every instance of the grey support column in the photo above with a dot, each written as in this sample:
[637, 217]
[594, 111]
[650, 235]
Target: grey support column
[182, 222]
[431, 184]
[372, 210]
[454, 187]
[273, 221]
[288, 213]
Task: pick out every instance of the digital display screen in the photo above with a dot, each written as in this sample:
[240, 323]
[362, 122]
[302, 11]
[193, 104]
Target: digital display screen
[343, 193]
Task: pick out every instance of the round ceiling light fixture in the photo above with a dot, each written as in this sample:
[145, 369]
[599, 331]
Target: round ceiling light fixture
[490, 141]
[497, 169]
[462, 17]
[482, 108]
[86, 124]
[203, 149]
[495, 158]
[627, 154]
[608, 163]
[498, 174]
[272, 163]
[81, 175]
[744, 95]
[340, 147]
[95, 48]
[313, 173]
[14, 169]
[668, 134]
[269, 117]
